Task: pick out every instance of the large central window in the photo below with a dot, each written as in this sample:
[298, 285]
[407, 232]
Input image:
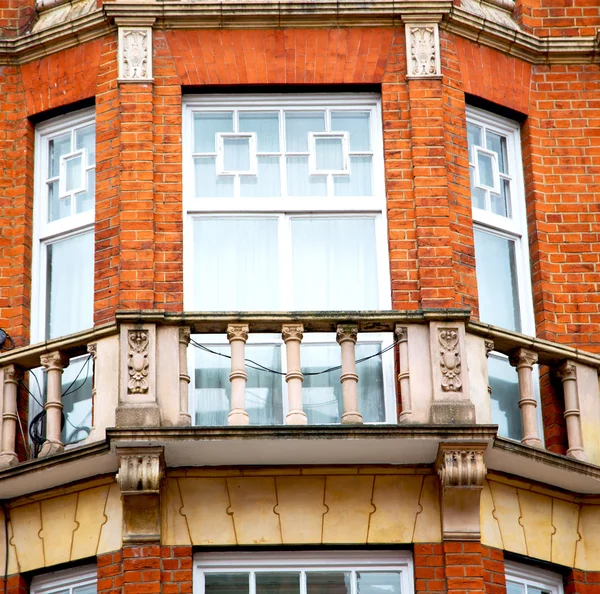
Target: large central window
[284, 205]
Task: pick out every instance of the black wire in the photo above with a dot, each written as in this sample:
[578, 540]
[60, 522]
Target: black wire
[8, 348]
[23, 28]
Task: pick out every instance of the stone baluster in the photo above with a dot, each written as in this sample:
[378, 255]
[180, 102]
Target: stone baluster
[185, 418]
[404, 375]
[237, 334]
[12, 376]
[567, 374]
[292, 336]
[346, 337]
[54, 364]
[524, 360]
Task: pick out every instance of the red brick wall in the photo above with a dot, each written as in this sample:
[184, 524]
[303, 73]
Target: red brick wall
[548, 18]
[15, 584]
[494, 578]
[582, 582]
[16, 17]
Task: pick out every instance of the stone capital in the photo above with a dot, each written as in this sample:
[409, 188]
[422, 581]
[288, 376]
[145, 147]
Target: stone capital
[346, 332]
[292, 332]
[401, 333]
[567, 371]
[12, 374]
[184, 336]
[54, 361]
[489, 347]
[523, 358]
[237, 332]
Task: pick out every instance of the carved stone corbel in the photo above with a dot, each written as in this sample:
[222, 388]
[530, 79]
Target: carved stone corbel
[461, 471]
[141, 471]
[422, 50]
[135, 52]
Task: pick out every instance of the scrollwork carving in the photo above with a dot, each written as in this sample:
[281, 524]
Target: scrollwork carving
[461, 468]
[140, 471]
[138, 364]
[134, 54]
[450, 362]
[423, 50]
[346, 332]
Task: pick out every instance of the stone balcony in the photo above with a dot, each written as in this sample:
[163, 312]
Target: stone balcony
[429, 386]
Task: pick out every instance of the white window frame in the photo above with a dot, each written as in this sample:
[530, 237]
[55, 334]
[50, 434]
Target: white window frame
[66, 579]
[526, 575]
[44, 232]
[352, 561]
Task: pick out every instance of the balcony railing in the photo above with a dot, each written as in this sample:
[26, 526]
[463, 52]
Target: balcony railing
[438, 360]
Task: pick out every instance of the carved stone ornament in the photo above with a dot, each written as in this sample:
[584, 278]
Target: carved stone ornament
[423, 50]
[450, 363]
[140, 470]
[137, 361]
[567, 371]
[292, 332]
[135, 54]
[461, 467]
[237, 332]
[346, 332]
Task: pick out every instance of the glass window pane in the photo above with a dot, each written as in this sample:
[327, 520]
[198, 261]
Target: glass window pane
[497, 143]
[359, 182]
[300, 183]
[297, 126]
[534, 590]
[357, 124]
[74, 173]
[208, 185]
[84, 201]
[504, 381]
[206, 126]
[87, 589]
[235, 264]
[329, 154]
[334, 263]
[328, 582]
[226, 583]
[477, 194]
[70, 289]
[57, 147]
[267, 184]
[213, 389]
[486, 169]
[378, 582]
[498, 204]
[236, 154]
[58, 208]
[86, 138]
[514, 588]
[497, 280]
[278, 583]
[474, 139]
[77, 403]
[266, 127]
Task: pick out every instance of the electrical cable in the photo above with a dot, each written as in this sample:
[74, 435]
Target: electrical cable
[23, 28]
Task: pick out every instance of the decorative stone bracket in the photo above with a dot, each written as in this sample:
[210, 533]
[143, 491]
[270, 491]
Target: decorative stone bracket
[461, 471]
[141, 471]
[422, 50]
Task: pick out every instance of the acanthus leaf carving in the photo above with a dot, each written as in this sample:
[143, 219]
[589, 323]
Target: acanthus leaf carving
[462, 467]
[138, 364]
[140, 470]
[450, 362]
[423, 50]
[135, 53]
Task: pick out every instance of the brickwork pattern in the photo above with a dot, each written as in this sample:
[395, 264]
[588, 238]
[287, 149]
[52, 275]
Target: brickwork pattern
[494, 578]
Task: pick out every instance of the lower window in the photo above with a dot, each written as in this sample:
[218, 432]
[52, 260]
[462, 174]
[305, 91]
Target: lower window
[373, 572]
[525, 579]
[77, 580]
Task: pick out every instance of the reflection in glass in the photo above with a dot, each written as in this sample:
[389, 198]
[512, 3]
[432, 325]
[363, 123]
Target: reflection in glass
[57, 147]
[497, 144]
[77, 403]
[226, 583]
[504, 382]
[333, 582]
[378, 582]
[278, 583]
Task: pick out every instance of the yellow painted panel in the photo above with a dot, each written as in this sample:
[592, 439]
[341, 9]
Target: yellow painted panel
[174, 526]
[205, 505]
[111, 535]
[26, 522]
[301, 508]
[508, 512]
[428, 525]
[536, 519]
[565, 517]
[490, 530]
[90, 518]
[587, 555]
[348, 499]
[58, 521]
[396, 501]
[13, 566]
[253, 502]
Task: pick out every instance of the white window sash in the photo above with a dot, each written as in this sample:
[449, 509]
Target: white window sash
[527, 575]
[64, 579]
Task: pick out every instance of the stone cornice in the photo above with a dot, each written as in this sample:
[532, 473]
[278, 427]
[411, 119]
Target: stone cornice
[203, 14]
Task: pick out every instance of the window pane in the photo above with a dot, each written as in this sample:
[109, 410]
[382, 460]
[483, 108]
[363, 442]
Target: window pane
[357, 124]
[77, 402]
[236, 154]
[359, 182]
[266, 184]
[208, 185]
[497, 143]
[213, 389]
[277, 583]
[497, 280]
[514, 588]
[533, 590]
[206, 126]
[70, 290]
[477, 194]
[266, 127]
[226, 583]
[378, 582]
[297, 126]
[84, 201]
[58, 208]
[329, 154]
[235, 264]
[57, 147]
[486, 169]
[334, 263]
[328, 582]
[504, 382]
[300, 183]
[74, 170]
[474, 139]
[86, 138]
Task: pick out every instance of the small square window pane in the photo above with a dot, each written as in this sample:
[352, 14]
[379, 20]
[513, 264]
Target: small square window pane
[226, 583]
[74, 173]
[236, 154]
[89, 588]
[278, 583]
[77, 408]
[297, 126]
[208, 185]
[496, 270]
[477, 194]
[300, 183]
[497, 143]
[485, 164]
[58, 208]
[329, 154]
[84, 201]
[206, 126]
[474, 139]
[358, 126]
[266, 184]
[514, 588]
[504, 382]
[360, 180]
[534, 590]
[266, 128]
[86, 138]
[328, 582]
[378, 582]
[57, 147]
